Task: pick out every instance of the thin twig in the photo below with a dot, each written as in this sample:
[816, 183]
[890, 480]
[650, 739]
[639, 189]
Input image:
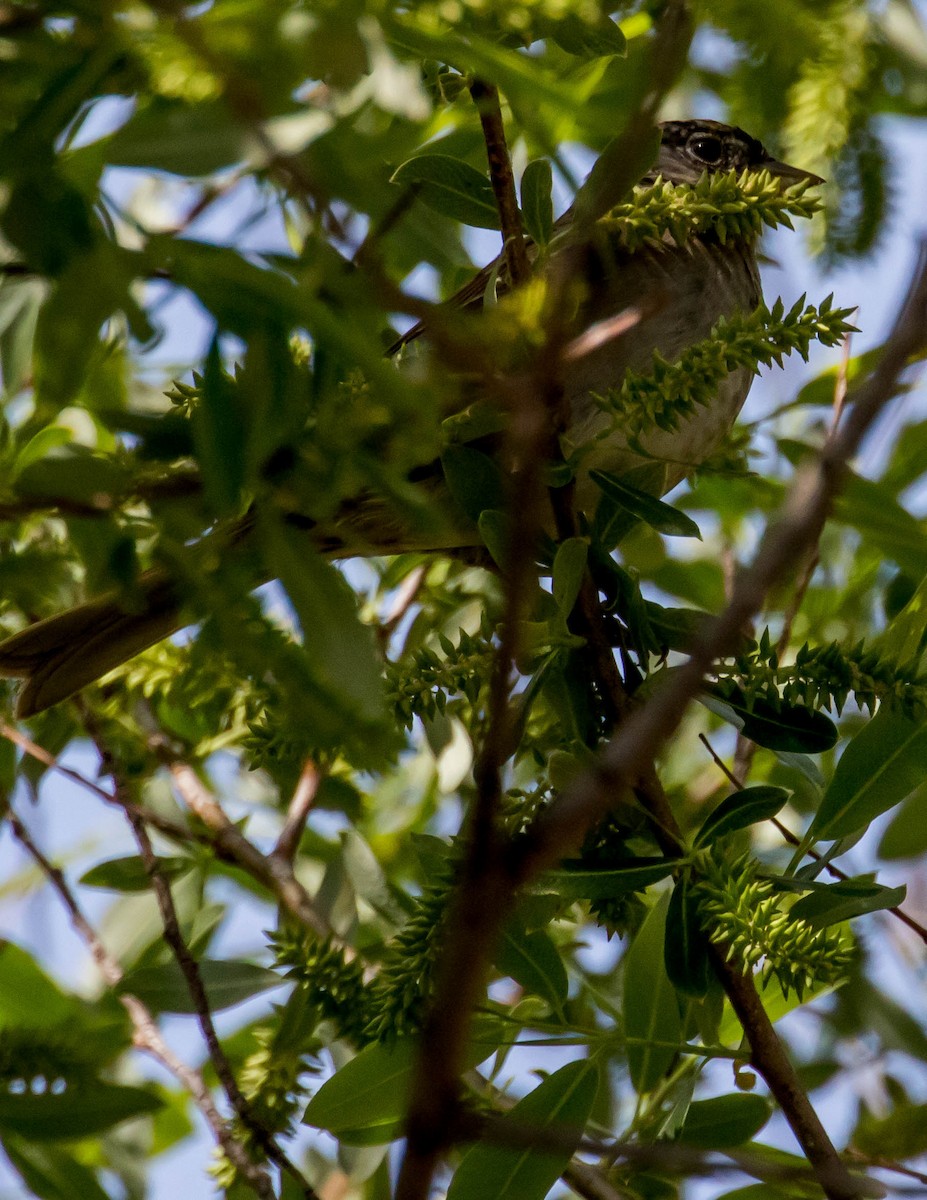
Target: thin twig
[190, 970]
[486, 98]
[301, 803]
[275, 872]
[834, 871]
[221, 835]
[147, 1036]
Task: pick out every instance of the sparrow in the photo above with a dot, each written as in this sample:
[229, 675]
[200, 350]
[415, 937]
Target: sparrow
[698, 281]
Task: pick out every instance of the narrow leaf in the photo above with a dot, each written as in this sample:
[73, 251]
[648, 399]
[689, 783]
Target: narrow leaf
[532, 960]
[739, 810]
[655, 513]
[561, 1103]
[651, 1011]
[450, 187]
[227, 983]
[882, 765]
[536, 203]
[569, 566]
[582, 883]
[686, 947]
[725, 1121]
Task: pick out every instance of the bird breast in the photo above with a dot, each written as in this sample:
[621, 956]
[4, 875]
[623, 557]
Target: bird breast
[683, 292]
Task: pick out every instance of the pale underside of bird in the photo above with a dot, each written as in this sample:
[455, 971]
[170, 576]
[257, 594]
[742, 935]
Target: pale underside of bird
[695, 284]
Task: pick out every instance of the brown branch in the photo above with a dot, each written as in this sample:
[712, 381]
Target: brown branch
[147, 1036]
[191, 972]
[628, 760]
[274, 871]
[298, 811]
[221, 835]
[486, 98]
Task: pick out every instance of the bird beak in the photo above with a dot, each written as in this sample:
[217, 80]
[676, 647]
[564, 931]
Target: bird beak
[790, 174]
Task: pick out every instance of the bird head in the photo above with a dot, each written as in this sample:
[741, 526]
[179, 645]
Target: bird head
[689, 148]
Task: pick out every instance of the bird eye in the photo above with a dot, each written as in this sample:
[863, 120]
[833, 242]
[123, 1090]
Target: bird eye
[708, 149]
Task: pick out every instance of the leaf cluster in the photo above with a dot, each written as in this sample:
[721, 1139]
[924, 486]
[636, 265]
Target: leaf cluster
[672, 391]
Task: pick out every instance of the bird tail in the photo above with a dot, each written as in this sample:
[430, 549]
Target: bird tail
[64, 653]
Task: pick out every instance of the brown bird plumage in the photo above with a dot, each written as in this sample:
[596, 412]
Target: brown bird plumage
[699, 282]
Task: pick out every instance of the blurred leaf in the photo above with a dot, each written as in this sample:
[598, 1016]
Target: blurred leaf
[50, 1172]
[586, 38]
[658, 515]
[78, 1111]
[536, 202]
[164, 988]
[871, 509]
[725, 1121]
[739, 810]
[365, 1102]
[562, 1102]
[685, 953]
[533, 961]
[651, 1012]
[906, 834]
[882, 765]
[474, 480]
[339, 650]
[900, 1135]
[129, 874]
[186, 139]
[582, 883]
[450, 187]
[569, 568]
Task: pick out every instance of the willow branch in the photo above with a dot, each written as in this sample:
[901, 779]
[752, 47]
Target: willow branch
[147, 1036]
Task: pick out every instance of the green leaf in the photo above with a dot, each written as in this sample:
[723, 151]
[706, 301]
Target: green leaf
[675, 628]
[725, 1121]
[185, 139]
[495, 530]
[562, 1103]
[450, 187]
[364, 1103]
[220, 430]
[882, 765]
[474, 480]
[569, 567]
[740, 809]
[790, 728]
[532, 960]
[906, 834]
[91, 288]
[536, 203]
[227, 983]
[899, 1135]
[583, 883]
[129, 875]
[685, 952]
[884, 523]
[655, 513]
[651, 1011]
[585, 38]
[27, 995]
[830, 903]
[74, 476]
[340, 652]
[76, 1112]
[50, 1172]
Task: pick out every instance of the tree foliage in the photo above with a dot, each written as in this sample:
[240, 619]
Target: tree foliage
[378, 758]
